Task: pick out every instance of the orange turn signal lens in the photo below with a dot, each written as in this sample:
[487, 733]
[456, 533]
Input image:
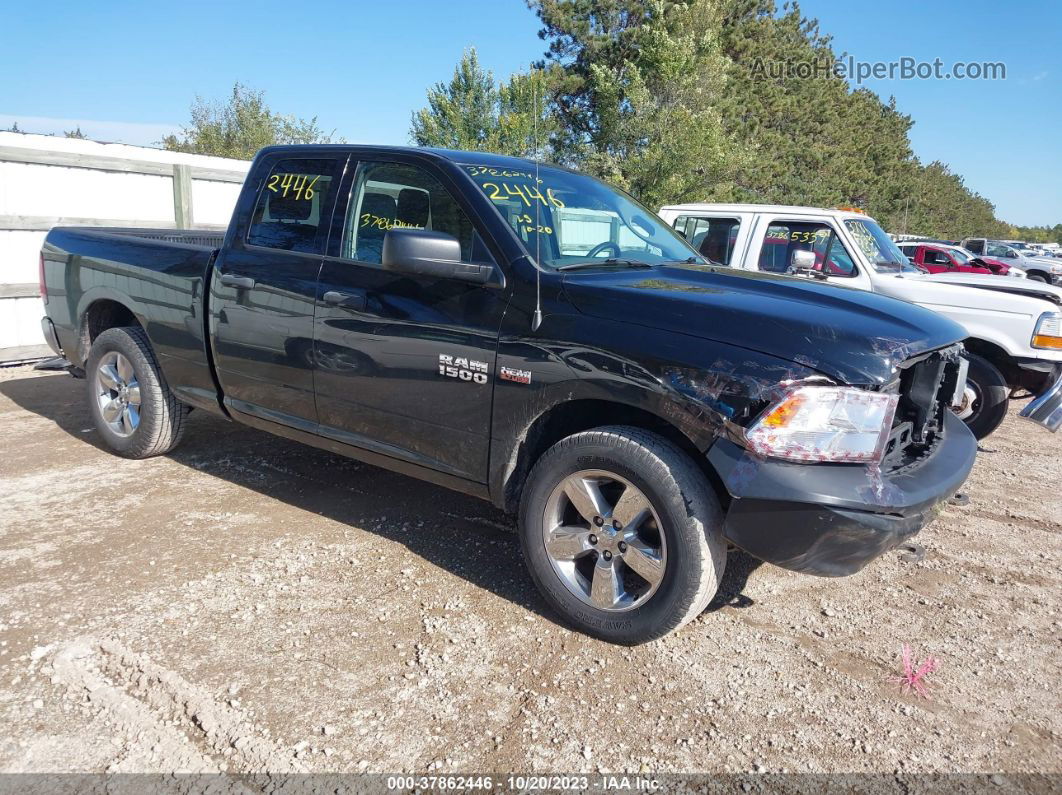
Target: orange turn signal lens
[1045, 341]
[781, 414]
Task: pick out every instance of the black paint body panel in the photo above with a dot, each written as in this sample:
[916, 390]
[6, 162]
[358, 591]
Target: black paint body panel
[833, 519]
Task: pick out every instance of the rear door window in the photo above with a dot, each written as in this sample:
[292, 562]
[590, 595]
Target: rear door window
[292, 209]
[714, 238]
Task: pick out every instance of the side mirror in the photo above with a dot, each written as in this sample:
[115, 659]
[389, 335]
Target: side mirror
[427, 253]
[911, 260]
[803, 260]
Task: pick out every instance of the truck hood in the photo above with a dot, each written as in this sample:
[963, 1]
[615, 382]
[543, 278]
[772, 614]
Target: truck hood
[1029, 287]
[852, 336]
[971, 292]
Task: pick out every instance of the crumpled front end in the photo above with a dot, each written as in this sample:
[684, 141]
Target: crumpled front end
[832, 519]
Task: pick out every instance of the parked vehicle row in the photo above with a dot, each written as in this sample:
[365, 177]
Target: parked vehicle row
[1040, 268]
[533, 337]
[939, 257]
[1012, 326]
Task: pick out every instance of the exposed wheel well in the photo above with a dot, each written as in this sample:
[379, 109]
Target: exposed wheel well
[100, 316]
[575, 416]
[997, 356]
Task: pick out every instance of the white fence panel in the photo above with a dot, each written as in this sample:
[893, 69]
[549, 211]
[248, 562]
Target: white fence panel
[47, 181]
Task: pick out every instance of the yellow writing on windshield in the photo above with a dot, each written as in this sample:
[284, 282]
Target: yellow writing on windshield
[505, 191]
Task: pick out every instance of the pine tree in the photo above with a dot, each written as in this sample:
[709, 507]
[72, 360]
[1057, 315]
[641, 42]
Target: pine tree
[461, 114]
[636, 94]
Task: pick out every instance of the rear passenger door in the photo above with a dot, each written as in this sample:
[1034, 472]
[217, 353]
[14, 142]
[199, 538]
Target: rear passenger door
[717, 238]
[264, 289]
[405, 362]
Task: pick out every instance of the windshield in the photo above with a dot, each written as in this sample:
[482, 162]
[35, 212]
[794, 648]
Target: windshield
[878, 247]
[569, 219]
[960, 255]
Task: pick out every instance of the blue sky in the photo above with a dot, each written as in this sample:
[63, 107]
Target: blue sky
[128, 71]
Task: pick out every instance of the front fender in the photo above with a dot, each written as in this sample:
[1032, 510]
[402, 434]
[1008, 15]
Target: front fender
[700, 388]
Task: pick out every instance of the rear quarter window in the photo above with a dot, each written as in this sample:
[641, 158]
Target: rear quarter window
[291, 209]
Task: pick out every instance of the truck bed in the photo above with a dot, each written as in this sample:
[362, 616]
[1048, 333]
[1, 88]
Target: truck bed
[161, 275]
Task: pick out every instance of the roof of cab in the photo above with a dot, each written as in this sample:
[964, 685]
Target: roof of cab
[453, 155]
[762, 208]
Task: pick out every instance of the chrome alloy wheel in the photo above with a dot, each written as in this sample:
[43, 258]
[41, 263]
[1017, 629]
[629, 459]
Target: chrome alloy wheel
[604, 540]
[971, 397]
[118, 393]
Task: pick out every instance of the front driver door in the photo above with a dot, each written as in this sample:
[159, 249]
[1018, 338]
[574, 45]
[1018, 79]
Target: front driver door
[405, 363]
[264, 288]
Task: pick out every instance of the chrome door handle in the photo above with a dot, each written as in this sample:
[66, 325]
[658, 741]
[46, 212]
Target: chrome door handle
[241, 282]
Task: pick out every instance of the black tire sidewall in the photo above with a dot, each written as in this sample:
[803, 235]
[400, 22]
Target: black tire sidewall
[994, 396]
[121, 340]
[668, 607]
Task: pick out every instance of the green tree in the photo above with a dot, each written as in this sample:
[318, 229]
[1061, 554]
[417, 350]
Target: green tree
[473, 112]
[241, 126]
[525, 125]
[76, 133]
[635, 94]
[461, 113]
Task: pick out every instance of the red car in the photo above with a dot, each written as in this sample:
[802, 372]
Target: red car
[943, 259]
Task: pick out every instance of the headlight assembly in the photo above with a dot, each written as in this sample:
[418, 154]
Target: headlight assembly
[825, 423]
[1048, 332]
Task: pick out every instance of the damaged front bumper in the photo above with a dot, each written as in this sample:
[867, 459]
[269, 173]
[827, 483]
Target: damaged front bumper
[1046, 408]
[833, 519]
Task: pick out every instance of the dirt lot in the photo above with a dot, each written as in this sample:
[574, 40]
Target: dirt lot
[249, 604]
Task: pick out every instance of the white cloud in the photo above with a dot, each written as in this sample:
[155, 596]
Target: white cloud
[127, 132]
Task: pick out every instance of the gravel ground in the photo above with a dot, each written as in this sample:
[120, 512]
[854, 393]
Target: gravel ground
[252, 605]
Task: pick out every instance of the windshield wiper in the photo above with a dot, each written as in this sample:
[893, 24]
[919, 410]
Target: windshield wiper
[594, 263]
[690, 261]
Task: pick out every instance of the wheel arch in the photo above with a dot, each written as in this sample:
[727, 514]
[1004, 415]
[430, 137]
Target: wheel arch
[99, 311]
[575, 416]
[998, 357]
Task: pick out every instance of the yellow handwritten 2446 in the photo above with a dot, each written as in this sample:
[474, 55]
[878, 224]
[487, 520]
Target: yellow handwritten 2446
[299, 185]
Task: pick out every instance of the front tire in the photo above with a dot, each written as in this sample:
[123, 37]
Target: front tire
[1036, 277]
[133, 408]
[984, 403]
[622, 534]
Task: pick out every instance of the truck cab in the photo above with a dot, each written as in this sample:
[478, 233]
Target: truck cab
[1014, 341]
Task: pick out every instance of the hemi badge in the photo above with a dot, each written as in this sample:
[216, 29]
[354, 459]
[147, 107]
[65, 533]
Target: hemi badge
[514, 375]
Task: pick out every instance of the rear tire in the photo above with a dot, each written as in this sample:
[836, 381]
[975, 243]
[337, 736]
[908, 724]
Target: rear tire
[985, 403]
[133, 408]
[660, 563]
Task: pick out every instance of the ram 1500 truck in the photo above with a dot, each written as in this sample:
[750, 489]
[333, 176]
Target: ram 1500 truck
[1013, 326]
[535, 338]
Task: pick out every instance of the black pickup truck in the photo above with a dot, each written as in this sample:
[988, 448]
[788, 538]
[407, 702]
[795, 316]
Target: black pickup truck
[533, 337]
